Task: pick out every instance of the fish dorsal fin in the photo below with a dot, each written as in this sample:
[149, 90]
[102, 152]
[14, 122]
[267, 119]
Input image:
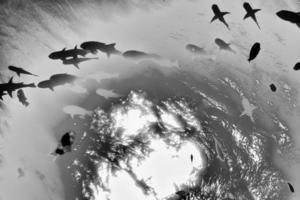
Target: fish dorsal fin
[64, 49]
[112, 44]
[11, 80]
[75, 47]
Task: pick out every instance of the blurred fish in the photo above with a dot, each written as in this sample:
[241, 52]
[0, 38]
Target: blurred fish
[94, 46]
[290, 16]
[297, 66]
[21, 173]
[107, 93]
[273, 87]
[66, 142]
[255, 49]
[192, 157]
[10, 87]
[195, 49]
[64, 54]
[251, 12]
[291, 187]
[57, 80]
[223, 45]
[22, 98]
[133, 54]
[73, 111]
[19, 70]
[219, 15]
[76, 61]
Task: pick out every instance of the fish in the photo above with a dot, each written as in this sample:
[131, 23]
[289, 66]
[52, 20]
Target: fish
[73, 111]
[195, 49]
[273, 87]
[251, 13]
[291, 187]
[255, 49]
[218, 14]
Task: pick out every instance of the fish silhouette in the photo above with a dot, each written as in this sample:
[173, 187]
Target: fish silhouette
[219, 15]
[251, 12]
[255, 49]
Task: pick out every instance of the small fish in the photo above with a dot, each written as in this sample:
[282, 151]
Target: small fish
[291, 187]
[66, 142]
[195, 49]
[22, 98]
[273, 87]
[297, 66]
[192, 157]
[255, 49]
[251, 13]
[218, 14]
[19, 71]
[74, 110]
[223, 45]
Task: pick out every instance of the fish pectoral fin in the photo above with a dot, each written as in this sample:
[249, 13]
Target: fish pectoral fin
[76, 65]
[298, 24]
[247, 16]
[10, 93]
[256, 10]
[213, 19]
[225, 13]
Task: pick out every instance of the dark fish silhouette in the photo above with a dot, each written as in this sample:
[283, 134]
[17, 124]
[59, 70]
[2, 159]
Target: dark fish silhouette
[10, 87]
[297, 66]
[195, 49]
[223, 45]
[94, 47]
[57, 80]
[109, 49]
[133, 54]
[64, 54]
[291, 187]
[251, 12]
[66, 142]
[273, 87]
[19, 70]
[22, 98]
[76, 61]
[255, 49]
[219, 15]
[290, 16]
[192, 157]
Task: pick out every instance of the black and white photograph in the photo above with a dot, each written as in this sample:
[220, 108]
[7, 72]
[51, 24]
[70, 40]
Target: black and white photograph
[149, 100]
